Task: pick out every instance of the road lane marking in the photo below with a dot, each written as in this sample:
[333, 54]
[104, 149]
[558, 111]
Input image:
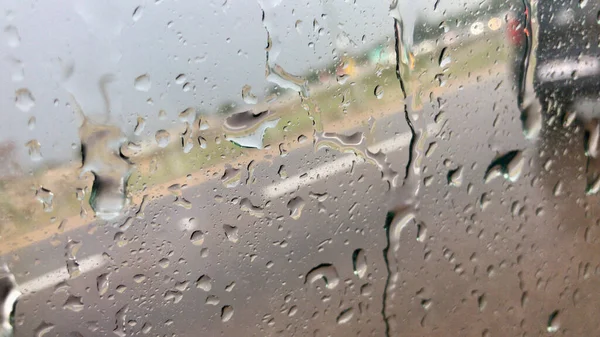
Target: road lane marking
[292, 183]
[339, 165]
[56, 276]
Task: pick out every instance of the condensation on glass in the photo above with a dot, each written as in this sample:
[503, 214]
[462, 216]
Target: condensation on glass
[299, 168]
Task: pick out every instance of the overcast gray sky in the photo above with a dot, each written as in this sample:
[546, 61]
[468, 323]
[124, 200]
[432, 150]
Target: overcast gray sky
[217, 45]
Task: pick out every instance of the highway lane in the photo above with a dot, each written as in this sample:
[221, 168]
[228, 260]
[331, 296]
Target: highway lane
[514, 248]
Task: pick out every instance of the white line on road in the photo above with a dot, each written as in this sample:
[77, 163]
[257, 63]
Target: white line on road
[344, 163]
[59, 275]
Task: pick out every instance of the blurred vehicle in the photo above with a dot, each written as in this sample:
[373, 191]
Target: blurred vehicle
[567, 53]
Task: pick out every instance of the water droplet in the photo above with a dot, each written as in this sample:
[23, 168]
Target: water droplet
[226, 313]
[173, 295]
[231, 232]
[366, 289]
[247, 129]
[180, 79]
[509, 165]
[345, 316]
[163, 263]
[247, 206]
[531, 119]
[9, 294]
[553, 322]
[247, 95]
[142, 83]
[162, 138]
[139, 278]
[197, 238]
[24, 100]
[139, 127]
[34, 149]
[295, 206]
[444, 59]
[43, 329]
[325, 272]
[230, 286]
[102, 283]
[13, 39]
[204, 283]
[101, 149]
[583, 3]
[45, 197]
[481, 302]
[455, 177]
[137, 14]
[31, 123]
[212, 300]
[342, 79]
[231, 177]
[359, 263]
[357, 143]
[278, 76]
[73, 303]
[378, 92]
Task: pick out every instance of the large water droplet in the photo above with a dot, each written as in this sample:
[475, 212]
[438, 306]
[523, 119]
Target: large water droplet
[139, 278]
[444, 59]
[378, 92]
[455, 177]
[553, 322]
[101, 155]
[231, 177]
[162, 138]
[231, 232]
[277, 75]
[247, 206]
[73, 303]
[509, 165]
[173, 295]
[24, 100]
[212, 300]
[142, 83]
[325, 272]
[45, 197]
[247, 129]
[226, 313]
[531, 119]
[247, 95]
[357, 143]
[359, 263]
[102, 283]
[197, 238]
[345, 316]
[9, 294]
[137, 13]
[34, 149]
[31, 123]
[139, 127]
[295, 206]
[204, 283]
[481, 302]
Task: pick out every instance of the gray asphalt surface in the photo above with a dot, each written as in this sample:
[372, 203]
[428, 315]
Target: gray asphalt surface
[503, 265]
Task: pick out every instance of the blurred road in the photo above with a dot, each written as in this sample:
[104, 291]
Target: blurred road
[502, 256]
